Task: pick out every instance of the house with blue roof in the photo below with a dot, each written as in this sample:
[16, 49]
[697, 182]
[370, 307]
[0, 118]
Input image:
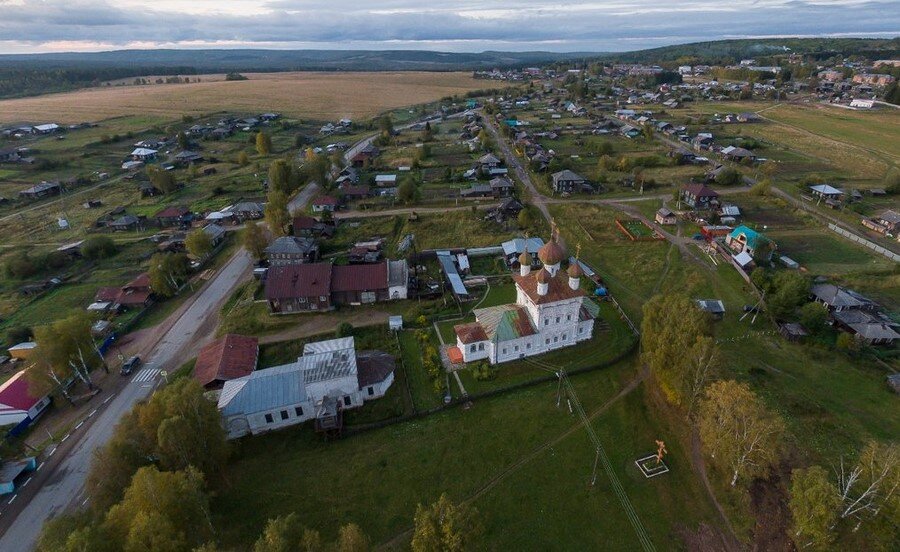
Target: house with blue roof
[744, 239]
[329, 378]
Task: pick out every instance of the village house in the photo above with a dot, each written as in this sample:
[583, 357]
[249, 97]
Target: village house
[230, 357]
[567, 181]
[698, 196]
[20, 403]
[366, 154]
[550, 312]
[9, 155]
[215, 232]
[870, 327]
[44, 189]
[325, 203]
[826, 191]
[321, 286]
[186, 158]
[290, 250]
[143, 154]
[665, 217]
[508, 209]
[838, 299]
[329, 378]
[174, 216]
[746, 240]
[308, 227]
[247, 210]
[513, 249]
[738, 155]
[887, 222]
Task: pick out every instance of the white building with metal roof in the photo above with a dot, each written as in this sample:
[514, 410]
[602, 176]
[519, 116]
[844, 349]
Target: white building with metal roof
[330, 377]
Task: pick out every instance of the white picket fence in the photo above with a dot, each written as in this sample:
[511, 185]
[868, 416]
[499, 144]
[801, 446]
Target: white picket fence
[871, 245]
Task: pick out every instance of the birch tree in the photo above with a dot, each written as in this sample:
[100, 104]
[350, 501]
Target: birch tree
[739, 433]
[814, 503]
[871, 489]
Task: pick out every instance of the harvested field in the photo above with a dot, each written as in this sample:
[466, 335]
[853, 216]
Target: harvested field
[320, 96]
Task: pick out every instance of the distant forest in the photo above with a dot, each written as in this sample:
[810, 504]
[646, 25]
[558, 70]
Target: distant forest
[18, 82]
[34, 74]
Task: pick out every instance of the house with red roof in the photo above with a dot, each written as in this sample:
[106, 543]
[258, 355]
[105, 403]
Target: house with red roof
[320, 286]
[230, 357]
[135, 293]
[174, 216]
[19, 403]
[324, 203]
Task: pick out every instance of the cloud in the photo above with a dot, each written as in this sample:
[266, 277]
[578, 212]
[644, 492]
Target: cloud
[465, 25]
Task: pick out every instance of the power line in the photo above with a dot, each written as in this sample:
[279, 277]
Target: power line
[601, 456]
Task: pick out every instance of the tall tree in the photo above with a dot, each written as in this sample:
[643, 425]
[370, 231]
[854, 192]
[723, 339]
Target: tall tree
[65, 349]
[352, 539]
[446, 527]
[276, 213]
[198, 243]
[253, 238]
[162, 180]
[168, 509]
[167, 272]
[280, 176]
[740, 434]
[183, 141]
[813, 502]
[704, 359]
[671, 327]
[282, 534]
[870, 491]
[263, 143]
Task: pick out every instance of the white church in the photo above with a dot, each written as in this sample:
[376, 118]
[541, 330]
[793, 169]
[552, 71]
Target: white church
[551, 311]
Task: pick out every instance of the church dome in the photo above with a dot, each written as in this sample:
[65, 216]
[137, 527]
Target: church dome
[525, 258]
[551, 253]
[543, 277]
[575, 270]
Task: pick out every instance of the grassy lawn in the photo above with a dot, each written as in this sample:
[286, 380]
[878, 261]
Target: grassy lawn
[423, 394]
[459, 452]
[821, 251]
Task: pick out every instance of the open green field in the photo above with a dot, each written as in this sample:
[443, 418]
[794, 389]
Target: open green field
[855, 144]
[821, 251]
[520, 460]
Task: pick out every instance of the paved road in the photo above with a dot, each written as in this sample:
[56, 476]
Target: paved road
[59, 485]
[299, 201]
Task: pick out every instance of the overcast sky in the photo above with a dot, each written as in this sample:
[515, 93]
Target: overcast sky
[460, 25]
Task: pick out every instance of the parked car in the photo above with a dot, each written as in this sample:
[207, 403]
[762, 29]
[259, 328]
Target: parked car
[129, 365]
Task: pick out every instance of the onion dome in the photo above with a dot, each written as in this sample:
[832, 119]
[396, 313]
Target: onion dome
[551, 253]
[543, 277]
[525, 258]
[575, 270]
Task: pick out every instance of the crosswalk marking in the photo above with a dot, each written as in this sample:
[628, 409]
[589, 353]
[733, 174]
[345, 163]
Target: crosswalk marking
[146, 374]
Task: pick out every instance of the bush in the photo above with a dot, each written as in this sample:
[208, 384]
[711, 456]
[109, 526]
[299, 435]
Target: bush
[728, 177]
[19, 334]
[344, 329]
[483, 371]
[98, 247]
[20, 265]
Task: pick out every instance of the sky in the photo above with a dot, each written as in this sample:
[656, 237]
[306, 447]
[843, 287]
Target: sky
[457, 26]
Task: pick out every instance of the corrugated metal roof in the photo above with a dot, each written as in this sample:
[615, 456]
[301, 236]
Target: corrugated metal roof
[263, 390]
[505, 322]
[517, 245]
[449, 268]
